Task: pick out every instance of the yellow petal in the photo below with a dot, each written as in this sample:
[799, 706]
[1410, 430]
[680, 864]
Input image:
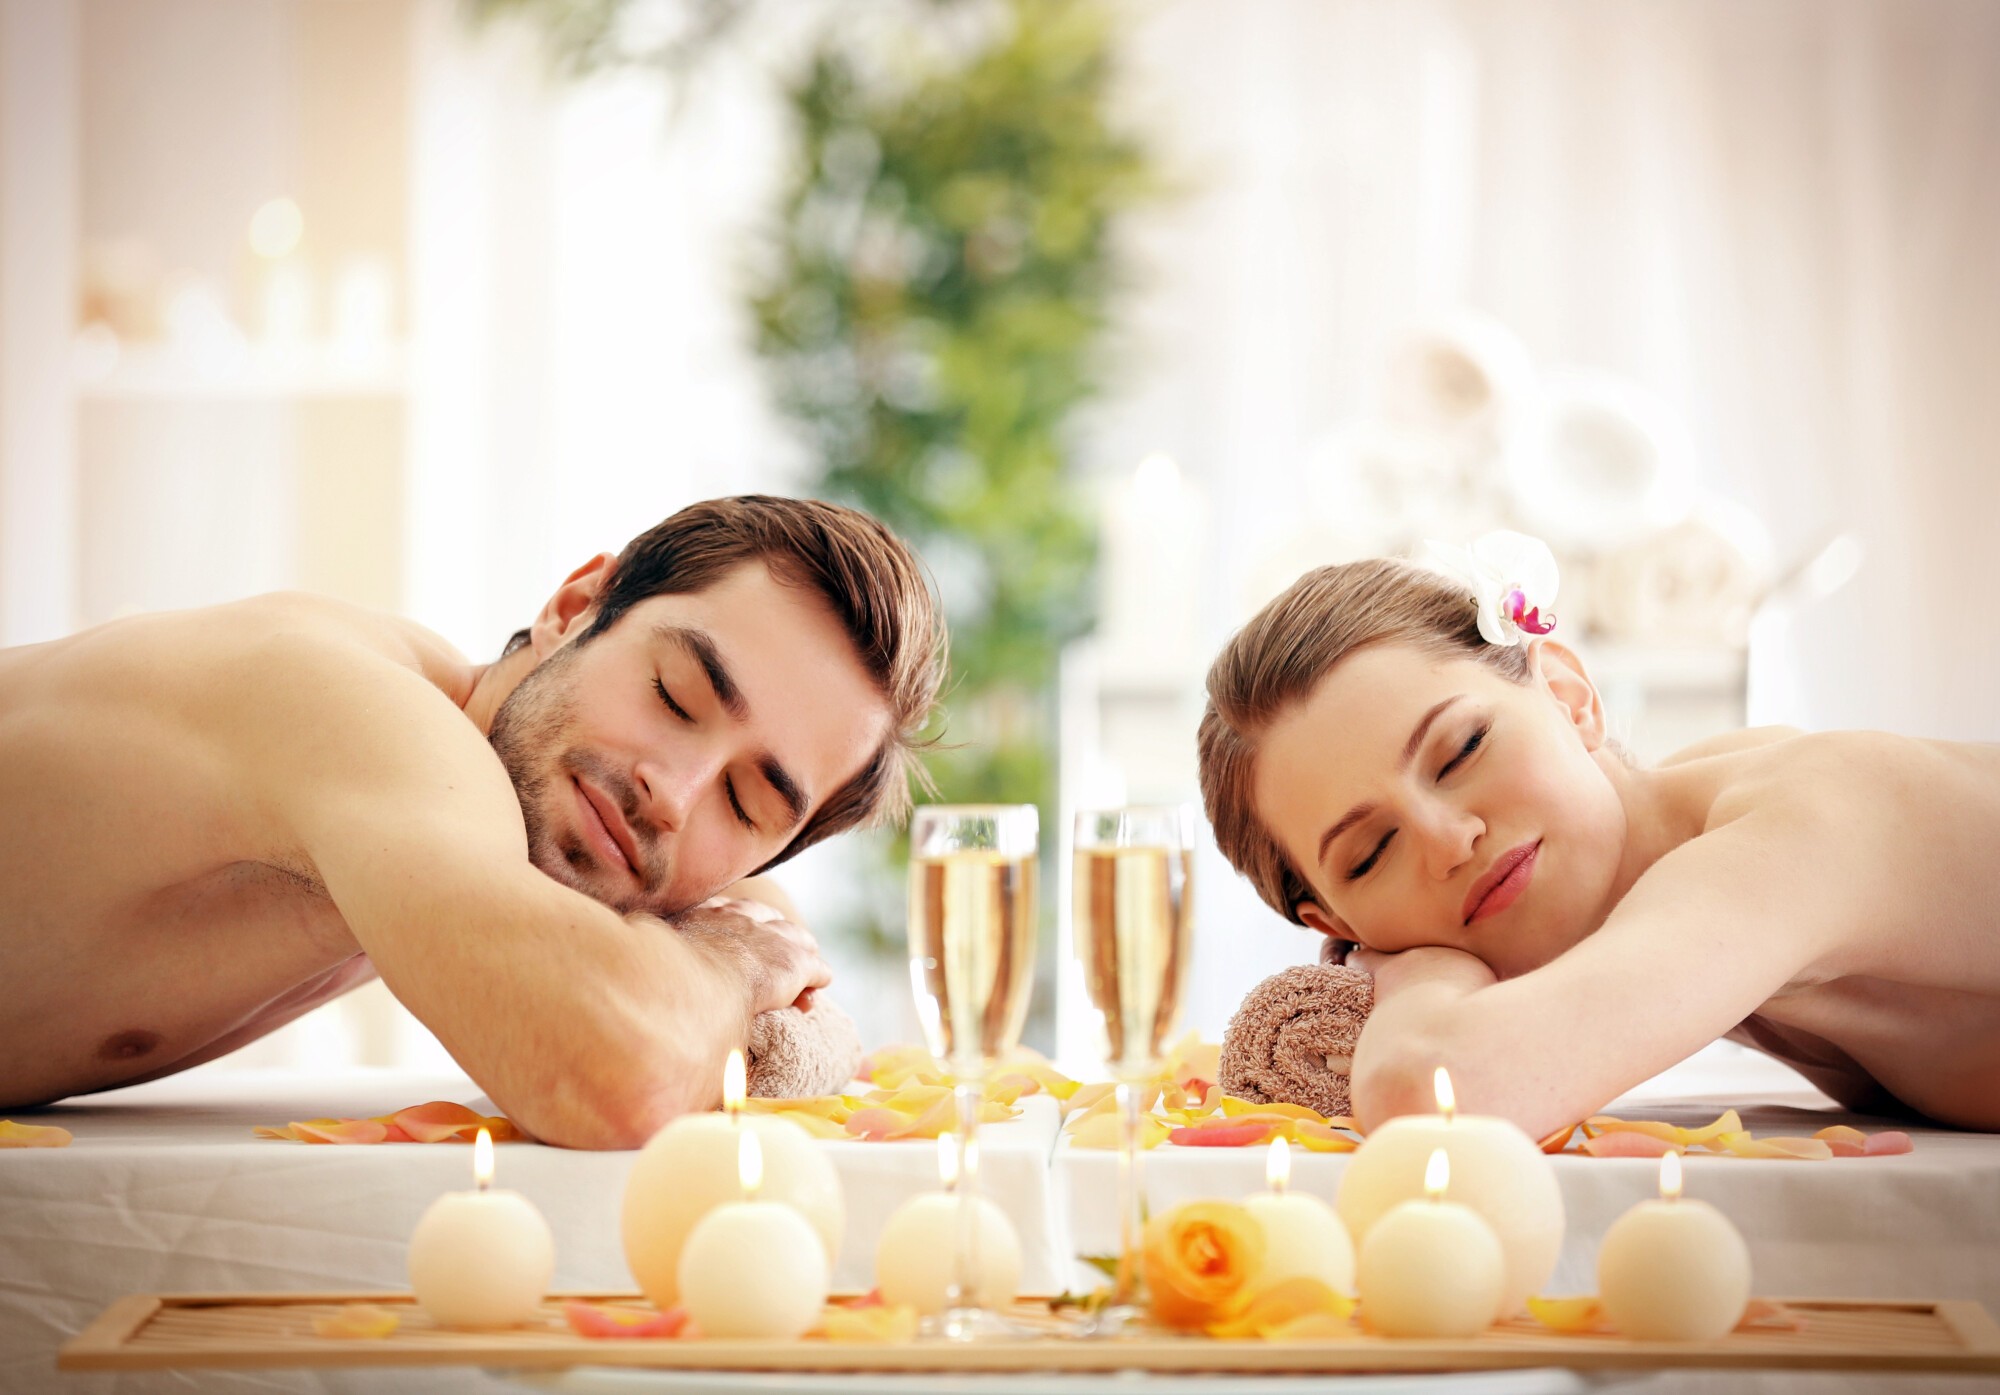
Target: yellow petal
[892, 1323]
[1584, 1314]
[1727, 1122]
[363, 1320]
[818, 1125]
[13, 1135]
[1102, 1131]
[1282, 1305]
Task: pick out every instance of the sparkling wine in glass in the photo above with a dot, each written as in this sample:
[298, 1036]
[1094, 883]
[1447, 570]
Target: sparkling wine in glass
[972, 965]
[1133, 930]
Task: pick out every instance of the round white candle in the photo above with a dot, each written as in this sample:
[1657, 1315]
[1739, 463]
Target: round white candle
[1673, 1270]
[753, 1268]
[1431, 1268]
[1496, 1170]
[481, 1258]
[1303, 1239]
[690, 1167]
[913, 1259]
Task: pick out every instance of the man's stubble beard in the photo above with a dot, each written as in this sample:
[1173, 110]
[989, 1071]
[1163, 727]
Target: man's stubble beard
[534, 720]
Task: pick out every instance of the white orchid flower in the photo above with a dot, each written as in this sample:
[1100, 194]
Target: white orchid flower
[1513, 579]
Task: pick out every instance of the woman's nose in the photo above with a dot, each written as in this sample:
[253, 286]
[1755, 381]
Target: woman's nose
[1450, 836]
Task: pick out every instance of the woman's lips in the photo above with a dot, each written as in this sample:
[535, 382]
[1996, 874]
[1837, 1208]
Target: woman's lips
[1503, 883]
[597, 829]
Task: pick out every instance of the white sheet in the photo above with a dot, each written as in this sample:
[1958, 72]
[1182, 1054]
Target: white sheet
[165, 1190]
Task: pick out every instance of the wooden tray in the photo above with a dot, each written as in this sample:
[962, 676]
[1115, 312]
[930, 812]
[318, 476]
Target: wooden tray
[147, 1332]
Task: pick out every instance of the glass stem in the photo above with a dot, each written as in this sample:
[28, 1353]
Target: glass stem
[1131, 1203]
[964, 1293]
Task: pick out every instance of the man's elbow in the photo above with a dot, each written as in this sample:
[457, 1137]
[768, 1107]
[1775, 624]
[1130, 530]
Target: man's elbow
[614, 1112]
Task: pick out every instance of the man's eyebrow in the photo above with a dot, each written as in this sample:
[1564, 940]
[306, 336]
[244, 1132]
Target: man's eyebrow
[1410, 747]
[702, 649]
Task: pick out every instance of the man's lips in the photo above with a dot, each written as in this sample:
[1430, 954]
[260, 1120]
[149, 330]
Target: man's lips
[1503, 883]
[605, 826]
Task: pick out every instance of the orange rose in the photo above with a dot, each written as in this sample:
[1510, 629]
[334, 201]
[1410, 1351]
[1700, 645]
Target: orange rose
[1199, 1260]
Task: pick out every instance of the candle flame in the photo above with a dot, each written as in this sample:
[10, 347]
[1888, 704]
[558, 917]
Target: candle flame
[1278, 1165]
[1670, 1176]
[1447, 1101]
[948, 1160]
[750, 1163]
[482, 1160]
[734, 1086]
[1437, 1174]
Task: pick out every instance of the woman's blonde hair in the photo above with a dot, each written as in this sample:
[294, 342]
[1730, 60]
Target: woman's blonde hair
[1279, 658]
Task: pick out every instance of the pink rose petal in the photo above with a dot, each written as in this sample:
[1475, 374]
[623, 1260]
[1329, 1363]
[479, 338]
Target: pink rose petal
[1894, 1141]
[1625, 1144]
[341, 1131]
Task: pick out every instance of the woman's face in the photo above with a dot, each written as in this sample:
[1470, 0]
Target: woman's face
[1431, 801]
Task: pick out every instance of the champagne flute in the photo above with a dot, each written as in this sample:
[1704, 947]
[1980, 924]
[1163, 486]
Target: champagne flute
[1133, 927]
[972, 964]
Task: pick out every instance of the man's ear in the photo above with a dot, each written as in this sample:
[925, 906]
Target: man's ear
[570, 608]
[1569, 684]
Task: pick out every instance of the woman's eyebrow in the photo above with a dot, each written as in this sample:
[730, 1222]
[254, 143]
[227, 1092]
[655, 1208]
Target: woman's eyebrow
[1410, 748]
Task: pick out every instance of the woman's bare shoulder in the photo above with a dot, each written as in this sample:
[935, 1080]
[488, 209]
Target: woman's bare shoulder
[1731, 743]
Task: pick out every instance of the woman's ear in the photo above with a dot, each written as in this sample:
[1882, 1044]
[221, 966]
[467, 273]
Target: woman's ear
[1563, 674]
[570, 607]
[1323, 921]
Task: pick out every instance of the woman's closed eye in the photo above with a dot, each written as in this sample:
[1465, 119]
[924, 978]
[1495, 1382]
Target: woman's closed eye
[1465, 753]
[1367, 864]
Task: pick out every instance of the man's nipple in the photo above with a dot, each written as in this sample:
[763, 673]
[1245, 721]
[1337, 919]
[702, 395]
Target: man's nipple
[128, 1046]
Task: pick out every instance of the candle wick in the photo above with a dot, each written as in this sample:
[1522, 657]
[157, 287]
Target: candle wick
[484, 1183]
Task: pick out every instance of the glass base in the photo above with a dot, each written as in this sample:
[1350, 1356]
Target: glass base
[1115, 1320]
[973, 1325]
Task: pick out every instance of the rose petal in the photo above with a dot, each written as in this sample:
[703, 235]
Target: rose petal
[1284, 1304]
[1893, 1141]
[1627, 1145]
[1841, 1133]
[611, 1320]
[357, 1320]
[1221, 1135]
[435, 1122]
[341, 1131]
[1104, 1131]
[13, 1135]
[881, 1323]
[1558, 1140]
[1322, 1138]
[1584, 1314]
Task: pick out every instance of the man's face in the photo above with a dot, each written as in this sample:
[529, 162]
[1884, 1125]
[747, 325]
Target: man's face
[681, 749]
[1431, 775]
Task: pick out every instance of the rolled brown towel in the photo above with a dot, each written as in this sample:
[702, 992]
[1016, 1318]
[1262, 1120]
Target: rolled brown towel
[1292, 1041]
[796, 1053]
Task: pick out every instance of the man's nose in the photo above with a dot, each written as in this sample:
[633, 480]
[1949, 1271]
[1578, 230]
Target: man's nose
[669, 788]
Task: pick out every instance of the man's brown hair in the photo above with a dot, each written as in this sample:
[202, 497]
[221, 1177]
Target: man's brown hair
[877, 590]
[1279, 658]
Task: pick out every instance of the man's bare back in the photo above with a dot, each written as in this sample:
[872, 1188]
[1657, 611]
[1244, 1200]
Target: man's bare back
[151, 916]
[212, 821]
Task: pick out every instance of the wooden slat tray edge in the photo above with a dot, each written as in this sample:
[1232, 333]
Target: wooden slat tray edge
[1963, 1337]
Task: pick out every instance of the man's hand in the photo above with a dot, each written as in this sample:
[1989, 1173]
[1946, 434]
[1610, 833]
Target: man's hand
[778, 959]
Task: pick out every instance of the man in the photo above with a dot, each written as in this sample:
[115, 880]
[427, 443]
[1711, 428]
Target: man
[216, 820]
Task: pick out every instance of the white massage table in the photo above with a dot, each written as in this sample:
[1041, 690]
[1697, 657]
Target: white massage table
[166, 1190]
